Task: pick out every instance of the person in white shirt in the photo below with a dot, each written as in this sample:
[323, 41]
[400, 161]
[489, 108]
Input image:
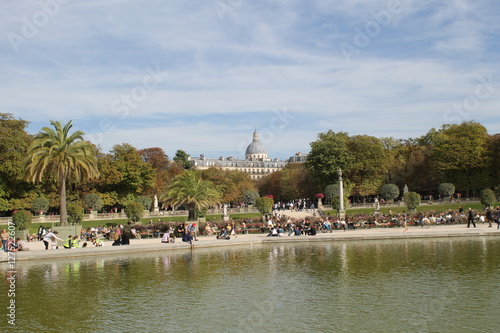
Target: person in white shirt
[49, 238]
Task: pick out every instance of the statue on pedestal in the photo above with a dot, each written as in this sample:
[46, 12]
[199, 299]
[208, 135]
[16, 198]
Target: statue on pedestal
[155, 204]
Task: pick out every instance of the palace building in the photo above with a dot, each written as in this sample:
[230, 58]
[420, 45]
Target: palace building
[256, 162]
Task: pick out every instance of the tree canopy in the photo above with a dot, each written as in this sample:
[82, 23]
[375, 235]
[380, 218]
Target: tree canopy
[189, 190]
[60, 156]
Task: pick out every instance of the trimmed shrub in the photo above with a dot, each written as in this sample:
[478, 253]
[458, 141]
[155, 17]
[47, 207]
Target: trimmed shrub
[22, 219]
[75, 213]
[389, 192]
[335, 202]
[487, 197]
[446, 189]
[264, 205]
[134, 211]
[249, 197]
[39, 205]
[92, 201]
[331, 191]
[146, 202]
[412, 200]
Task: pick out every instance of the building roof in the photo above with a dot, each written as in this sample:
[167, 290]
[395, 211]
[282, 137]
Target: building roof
[255, 147]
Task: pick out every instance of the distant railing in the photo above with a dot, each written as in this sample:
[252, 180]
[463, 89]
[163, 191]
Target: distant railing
[110, 216]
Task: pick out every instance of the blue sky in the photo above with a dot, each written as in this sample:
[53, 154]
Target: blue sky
[202, 75]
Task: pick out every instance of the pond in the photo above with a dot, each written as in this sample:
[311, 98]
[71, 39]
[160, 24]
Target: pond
[425, 285]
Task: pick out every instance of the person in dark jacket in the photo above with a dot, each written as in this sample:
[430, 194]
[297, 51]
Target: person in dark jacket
[471, 218]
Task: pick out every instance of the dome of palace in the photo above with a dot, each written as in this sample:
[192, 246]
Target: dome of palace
[255, 147]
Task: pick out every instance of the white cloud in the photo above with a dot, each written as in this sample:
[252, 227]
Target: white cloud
[228, 74]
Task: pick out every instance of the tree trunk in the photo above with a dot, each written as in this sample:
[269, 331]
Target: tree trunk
[62, 194]
[191, 216]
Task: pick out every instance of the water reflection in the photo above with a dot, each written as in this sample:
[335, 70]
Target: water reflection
[428, 285]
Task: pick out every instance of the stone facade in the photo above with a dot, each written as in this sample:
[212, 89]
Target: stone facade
[256, 162]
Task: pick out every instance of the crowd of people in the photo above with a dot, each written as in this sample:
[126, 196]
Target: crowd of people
[277, 225]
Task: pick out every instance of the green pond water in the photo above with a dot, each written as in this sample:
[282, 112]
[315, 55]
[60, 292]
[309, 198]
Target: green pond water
[426, 285]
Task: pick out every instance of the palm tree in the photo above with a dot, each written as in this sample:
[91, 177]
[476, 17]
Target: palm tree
[189, 190]
[57, 155]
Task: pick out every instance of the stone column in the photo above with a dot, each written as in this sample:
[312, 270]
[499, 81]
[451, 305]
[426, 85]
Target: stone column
[341, 196]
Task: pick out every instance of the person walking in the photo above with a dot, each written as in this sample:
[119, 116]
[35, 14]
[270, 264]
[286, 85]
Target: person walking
[471, 218]
[498, 217]
[489, 217]
[404, 221]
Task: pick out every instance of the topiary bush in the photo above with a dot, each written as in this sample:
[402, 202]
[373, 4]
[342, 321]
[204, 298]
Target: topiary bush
[446, 189]
[92, 201]
[249, 197]
[331, 191]
[22, 219]
[264, 205]
[389, 192]
[39, 205]
[75, 213]
[487, 197]
[412, 200]
[134, 211]
[146, 202]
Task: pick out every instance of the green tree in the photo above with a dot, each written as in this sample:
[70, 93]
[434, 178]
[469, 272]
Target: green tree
[160, 163]
[296, 182]
[412, 200]
[134, 211]
[191, 191]
[459, 154]
[249, 197]
[494, 153]
[271, 184]
[14, 143]
[487, 197]
[136, 176]
[409, 163]
[230, 183]
[389, 192]
[56, 154]
[446, 190]
[39, 205]
[367, 169]
[335, 202]
[331, 191]
[497, 190]
[75, 213]
[329, 153]
[145, 201]
[4, 205]
[22, 219]
[264, 205]
[182, 159]
[92, 201]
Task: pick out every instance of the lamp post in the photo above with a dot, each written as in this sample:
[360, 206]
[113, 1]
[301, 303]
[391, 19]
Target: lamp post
[341, 196]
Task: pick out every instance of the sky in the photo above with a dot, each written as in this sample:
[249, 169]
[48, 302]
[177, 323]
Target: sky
[201, 76]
